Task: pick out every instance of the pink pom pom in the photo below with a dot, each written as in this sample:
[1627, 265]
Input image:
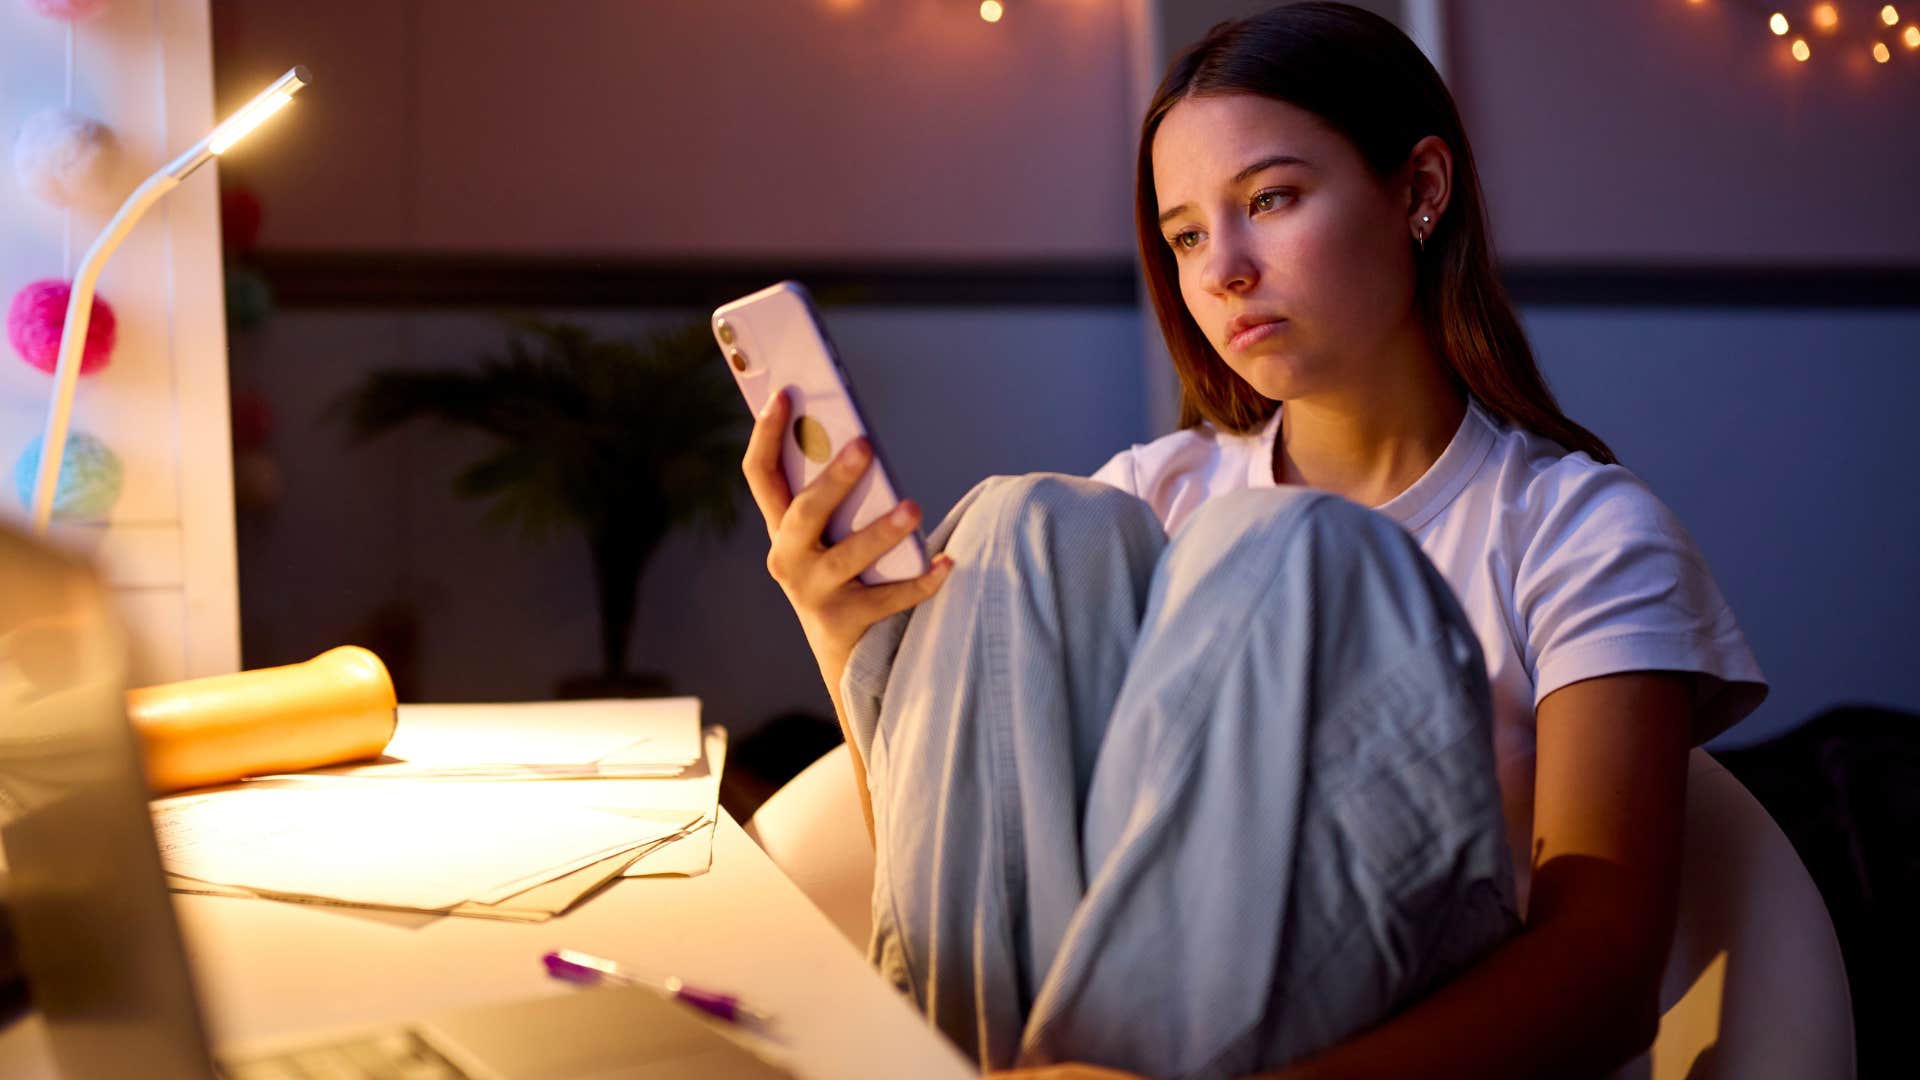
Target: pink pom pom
[36, 316]
[70, 10]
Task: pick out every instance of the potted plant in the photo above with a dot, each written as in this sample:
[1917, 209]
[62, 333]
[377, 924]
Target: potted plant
[622, 441]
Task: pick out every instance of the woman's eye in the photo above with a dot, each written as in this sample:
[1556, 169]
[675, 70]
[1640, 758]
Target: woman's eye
[1185, 239]
[1264, 201]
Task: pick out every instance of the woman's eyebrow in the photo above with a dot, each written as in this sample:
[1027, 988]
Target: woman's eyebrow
[1272, 161]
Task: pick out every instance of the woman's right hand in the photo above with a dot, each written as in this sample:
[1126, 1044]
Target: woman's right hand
[823, 583]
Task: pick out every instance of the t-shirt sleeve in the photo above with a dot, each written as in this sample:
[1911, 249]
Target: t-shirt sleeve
[1612, 582]
[1120, 472]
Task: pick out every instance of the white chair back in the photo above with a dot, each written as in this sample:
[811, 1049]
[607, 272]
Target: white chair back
[811, 829]
[1755, 987]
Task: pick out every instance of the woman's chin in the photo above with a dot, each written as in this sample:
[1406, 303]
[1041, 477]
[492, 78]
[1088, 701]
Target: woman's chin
[1276, 376]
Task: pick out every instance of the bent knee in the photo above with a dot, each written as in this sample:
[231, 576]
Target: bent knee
[1070, 508]
[1331, 532]
[1269, 512]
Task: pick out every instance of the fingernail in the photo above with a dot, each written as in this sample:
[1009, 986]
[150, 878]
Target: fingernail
[942, 564]
[767, 409]
[902, 514]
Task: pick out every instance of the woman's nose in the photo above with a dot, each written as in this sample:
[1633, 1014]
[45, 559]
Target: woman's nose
[1228, 267]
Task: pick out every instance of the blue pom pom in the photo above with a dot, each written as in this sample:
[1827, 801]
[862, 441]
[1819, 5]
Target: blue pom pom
[90, 477]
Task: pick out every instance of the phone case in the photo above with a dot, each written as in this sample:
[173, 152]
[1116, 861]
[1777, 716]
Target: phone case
[773, 340]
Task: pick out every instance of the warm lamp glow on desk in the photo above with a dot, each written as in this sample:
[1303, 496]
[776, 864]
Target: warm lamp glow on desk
[73, 335]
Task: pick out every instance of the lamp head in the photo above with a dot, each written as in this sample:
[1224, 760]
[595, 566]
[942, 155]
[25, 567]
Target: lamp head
[235, 127]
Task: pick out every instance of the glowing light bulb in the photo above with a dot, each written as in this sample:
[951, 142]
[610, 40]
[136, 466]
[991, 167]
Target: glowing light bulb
[1889, 16]
[1881, 52]
[991, 10]
[1911, 37]
[237, 127]
[1800, 50]
[1826, 17]
[1779, 24]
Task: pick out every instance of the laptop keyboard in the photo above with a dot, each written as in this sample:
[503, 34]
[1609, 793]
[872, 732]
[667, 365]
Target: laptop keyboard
[393, 1055]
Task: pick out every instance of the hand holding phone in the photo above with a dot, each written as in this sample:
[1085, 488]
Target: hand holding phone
[872, 563]
[775, 344]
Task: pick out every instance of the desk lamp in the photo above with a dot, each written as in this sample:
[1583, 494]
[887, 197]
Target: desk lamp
[73, 335]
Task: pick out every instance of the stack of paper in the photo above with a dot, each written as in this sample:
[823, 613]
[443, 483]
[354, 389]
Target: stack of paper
[450, 821]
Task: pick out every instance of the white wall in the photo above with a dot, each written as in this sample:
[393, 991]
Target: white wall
[143, 68]
[1665, 131]
[725, 128]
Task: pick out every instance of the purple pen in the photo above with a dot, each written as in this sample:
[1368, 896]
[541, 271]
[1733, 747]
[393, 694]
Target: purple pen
[575, 966]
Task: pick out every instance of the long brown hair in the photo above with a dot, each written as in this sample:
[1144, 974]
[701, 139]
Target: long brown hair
[1362, 77]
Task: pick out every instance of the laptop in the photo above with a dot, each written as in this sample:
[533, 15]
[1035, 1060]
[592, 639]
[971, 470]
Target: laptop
[87, 931]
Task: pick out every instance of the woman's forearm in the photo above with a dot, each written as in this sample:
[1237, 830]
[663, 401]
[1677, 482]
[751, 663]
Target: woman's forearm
[1555, 1001]
[832, 672]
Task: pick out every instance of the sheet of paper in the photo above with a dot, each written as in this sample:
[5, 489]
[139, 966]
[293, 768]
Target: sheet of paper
[538, 904]
[556, 897]
[694, 790]
[647, 731]
[688, 856]
[423, 846]
[407, 770]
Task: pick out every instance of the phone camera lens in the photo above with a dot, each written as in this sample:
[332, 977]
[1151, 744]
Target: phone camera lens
[725, 332]
[738, 359]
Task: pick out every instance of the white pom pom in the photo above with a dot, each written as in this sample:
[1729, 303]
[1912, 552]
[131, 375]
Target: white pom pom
[61, 155]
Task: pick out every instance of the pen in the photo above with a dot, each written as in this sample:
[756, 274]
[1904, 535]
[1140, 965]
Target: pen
[575, 966]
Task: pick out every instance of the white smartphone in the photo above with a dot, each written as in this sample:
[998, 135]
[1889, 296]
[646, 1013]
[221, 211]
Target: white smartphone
[773, 340]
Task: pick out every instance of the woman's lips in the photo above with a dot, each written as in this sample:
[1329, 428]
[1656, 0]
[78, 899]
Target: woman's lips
[1255, 334]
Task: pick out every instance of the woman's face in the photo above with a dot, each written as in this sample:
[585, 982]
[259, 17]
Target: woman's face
[1294, 260]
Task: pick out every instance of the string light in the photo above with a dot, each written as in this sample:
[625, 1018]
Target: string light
[991, 10]
[1825, 19]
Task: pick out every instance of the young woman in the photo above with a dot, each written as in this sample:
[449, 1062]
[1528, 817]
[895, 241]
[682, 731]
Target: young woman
[1343, 732]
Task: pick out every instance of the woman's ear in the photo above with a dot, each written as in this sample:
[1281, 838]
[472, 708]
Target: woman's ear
[1429, 185]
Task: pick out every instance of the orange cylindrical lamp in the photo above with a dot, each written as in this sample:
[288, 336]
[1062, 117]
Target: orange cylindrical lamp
[338, 706]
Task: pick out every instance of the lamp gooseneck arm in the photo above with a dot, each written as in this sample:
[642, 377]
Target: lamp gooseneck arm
[73, 333]
[73, 339]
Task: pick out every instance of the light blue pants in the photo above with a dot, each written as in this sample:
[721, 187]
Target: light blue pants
[1188, 807]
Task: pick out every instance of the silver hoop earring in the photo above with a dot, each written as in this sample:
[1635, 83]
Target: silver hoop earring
[1420, 237]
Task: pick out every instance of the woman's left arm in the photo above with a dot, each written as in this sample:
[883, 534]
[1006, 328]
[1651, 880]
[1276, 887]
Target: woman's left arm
[1577, 991]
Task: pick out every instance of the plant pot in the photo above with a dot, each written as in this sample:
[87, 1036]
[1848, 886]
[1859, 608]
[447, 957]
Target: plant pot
[625, 684]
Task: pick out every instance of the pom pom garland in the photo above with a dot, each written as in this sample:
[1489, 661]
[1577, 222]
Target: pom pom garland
[36, 317]
[69, 10]
[60, 155]
[90, 478]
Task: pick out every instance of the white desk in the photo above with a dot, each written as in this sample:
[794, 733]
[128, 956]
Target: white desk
[268, 969]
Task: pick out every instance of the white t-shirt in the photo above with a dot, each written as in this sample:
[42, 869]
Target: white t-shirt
[1568, 569]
